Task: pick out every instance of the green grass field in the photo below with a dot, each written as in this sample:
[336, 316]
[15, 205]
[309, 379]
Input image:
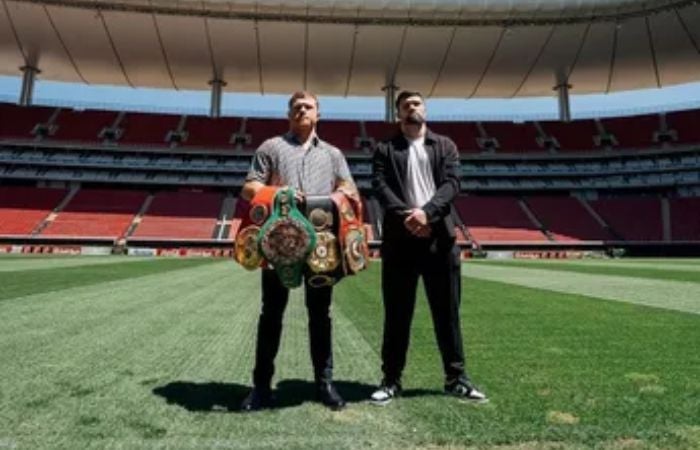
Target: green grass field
[113, 352]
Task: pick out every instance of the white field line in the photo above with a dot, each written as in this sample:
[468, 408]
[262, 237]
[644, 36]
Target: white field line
[675, 295]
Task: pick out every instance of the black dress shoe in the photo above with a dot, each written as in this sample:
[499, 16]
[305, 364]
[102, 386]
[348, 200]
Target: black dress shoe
[328, 395]
[257, 399]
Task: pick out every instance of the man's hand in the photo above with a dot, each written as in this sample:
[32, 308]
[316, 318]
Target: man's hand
[348, 189]
[416, 223]
[299, 196]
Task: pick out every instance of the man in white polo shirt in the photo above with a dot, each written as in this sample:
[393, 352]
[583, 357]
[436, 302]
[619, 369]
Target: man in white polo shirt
[416, 178]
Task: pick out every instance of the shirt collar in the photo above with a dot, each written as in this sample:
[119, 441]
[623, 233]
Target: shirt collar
[291, 137]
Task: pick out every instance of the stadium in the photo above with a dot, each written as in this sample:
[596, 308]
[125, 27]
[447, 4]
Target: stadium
[126, 324]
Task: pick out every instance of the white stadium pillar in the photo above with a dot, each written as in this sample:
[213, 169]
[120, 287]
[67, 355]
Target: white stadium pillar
[564, 106]
[215, 106]
[26, 94]
[389, 108]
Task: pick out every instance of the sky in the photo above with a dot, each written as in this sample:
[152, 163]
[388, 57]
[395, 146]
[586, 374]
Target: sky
[83, 96]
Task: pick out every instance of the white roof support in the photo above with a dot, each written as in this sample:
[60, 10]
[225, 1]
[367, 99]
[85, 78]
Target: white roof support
[564, 104]
[215, 104]
[389, 108]
[26, 94]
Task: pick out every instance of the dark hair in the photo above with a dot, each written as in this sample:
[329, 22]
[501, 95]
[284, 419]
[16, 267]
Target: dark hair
[403, 95]
[301, 94]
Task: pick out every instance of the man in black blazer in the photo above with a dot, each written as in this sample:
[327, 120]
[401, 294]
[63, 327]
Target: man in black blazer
[416, 178]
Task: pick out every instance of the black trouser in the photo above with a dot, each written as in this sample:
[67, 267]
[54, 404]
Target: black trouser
[274, 302]
[438, 262]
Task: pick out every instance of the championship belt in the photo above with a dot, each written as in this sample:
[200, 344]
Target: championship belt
[351, 233]
[261, 204]
[324, 268]
[247, 252]
[287, 238]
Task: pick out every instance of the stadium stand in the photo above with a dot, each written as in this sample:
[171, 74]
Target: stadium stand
[633, 132]
[632, 218]
[464, 134]
[378, 131]
[685, 123]
[147, 129]
[262, 129]
[341, 133]
[98, 213]
[513, 137]
[577, 224]
[20, 123]
[685, 218]
[22, 209]
[574, 136]
[82, 126]
[180, 215]
[497, 219]
[547, 181]
[211, 133]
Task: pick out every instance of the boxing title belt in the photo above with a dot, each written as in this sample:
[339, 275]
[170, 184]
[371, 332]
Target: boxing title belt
[324, 263]
[247, 252]
[286, 239]
[351, 233]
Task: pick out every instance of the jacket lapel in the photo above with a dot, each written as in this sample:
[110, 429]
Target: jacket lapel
[432, 156]
[399, 160]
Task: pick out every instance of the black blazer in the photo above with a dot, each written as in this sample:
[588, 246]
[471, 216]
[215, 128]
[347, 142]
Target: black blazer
[390, 168]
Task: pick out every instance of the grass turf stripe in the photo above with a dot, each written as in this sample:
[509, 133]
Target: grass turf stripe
[676, 295]
[28, 282]
[36, 262]
[672, 265]
[657, 272]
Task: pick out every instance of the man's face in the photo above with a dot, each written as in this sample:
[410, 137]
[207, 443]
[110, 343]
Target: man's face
[412, 110]
[303, 113]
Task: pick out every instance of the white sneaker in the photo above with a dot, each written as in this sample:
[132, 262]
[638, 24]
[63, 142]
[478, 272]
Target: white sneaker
[385, 394]
[465, 391]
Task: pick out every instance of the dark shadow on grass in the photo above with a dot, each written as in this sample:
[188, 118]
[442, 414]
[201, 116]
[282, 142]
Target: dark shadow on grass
[227, 397]
[408, 393]
[203, 397]
[295, 392]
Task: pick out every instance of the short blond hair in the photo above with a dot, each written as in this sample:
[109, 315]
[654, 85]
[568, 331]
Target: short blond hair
[301, 94]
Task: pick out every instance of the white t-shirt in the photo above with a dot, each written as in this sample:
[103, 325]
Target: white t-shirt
[420, 186]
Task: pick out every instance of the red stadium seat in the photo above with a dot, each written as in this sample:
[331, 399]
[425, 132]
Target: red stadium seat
[22, 209]
[211, 133]
[685, 219]
[261, 130]
[633, 218]
[464, 134]
[685, 123]
[513, 137]
[633, 132]
[571, 136]
[180, 215]
[147, 129]
[102, 213]
[497, 219]
[82, 126]
[18, 122]
[576, 224]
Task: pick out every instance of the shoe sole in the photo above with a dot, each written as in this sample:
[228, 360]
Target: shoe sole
[380, 402]
[472, 401]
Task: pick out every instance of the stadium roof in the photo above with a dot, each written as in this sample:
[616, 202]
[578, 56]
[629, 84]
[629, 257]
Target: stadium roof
[460, 48]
